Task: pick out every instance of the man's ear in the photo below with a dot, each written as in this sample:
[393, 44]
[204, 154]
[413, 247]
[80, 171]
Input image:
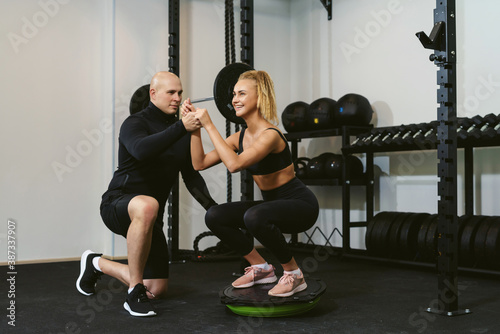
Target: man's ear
[152, 94]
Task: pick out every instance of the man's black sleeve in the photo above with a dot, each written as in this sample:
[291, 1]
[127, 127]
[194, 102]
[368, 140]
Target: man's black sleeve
[136, 137]
[196, 185]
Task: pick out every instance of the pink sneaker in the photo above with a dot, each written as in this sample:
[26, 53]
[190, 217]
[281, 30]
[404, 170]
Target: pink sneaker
[254, 275]
[288, 285]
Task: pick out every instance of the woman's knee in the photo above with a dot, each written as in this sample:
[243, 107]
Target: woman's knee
[253, 221]
[213, 217]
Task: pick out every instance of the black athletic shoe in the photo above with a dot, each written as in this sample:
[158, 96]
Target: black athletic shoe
[137, 302]
[88, 274]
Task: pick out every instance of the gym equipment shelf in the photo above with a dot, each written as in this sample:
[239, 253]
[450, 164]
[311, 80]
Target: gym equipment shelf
[465, 144]
[332, 182]
[346, 132]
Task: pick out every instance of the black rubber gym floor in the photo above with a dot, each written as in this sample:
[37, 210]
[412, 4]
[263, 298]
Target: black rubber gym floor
[361, 297]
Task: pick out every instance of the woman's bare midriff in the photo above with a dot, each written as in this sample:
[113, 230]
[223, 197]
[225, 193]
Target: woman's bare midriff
[276, 179]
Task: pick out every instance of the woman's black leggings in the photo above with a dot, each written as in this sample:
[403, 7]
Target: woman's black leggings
[290, 208]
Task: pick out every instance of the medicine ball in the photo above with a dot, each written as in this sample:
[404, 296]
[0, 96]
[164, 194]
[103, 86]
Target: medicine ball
[353, 109]
[300, 165]
[294, 116]
[316, 166]
[355, 167]
[333, 166]
[321, 114]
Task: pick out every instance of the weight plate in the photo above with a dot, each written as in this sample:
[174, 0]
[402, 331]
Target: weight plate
[461, 223]
[381, 232]
[372, 230]
[431, 240]
[466, 241]
[393, 234]
[480, 241]
[368, 234]
[423, 254]
[369, 229]
[492, 245]
[223, 90]
[139, 100]
[407, 245]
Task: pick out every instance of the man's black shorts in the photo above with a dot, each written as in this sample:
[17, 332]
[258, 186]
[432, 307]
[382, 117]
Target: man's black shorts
[114, 213]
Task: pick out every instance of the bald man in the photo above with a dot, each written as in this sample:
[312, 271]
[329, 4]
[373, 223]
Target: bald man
[153, 149]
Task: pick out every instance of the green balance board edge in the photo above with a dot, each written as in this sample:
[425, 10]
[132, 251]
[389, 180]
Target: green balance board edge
[273, 311]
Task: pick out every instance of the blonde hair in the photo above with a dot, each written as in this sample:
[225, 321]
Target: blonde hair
[266, 100]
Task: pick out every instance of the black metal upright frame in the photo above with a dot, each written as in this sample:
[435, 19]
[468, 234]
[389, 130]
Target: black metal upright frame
[443, 41]
[247, 56]
[328, 6]
[346, 192]
[173, 63]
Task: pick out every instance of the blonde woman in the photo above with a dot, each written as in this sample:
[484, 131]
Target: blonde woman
[288, 206]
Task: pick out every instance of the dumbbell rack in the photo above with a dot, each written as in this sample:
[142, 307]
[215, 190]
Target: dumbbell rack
[467, 146]
[346, 132]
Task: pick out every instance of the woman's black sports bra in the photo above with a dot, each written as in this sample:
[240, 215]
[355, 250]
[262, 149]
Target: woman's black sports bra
[273, 162]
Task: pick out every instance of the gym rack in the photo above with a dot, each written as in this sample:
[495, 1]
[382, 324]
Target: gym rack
[443, 41]
[345, 132]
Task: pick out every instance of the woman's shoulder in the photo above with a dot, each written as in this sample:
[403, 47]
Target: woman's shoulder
[276, 130]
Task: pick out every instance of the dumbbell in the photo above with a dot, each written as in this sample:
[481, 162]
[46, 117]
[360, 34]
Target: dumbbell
[367, 140]
[485, 127]
[360, 138]
[464, 125]
[473, 127]
[494, 129]
[428, 136]
[497, 128]
[379, 141]
[387, 138]
[375, 136]
[417, 131]
[386, 134]
[414, 129]
[397, 137]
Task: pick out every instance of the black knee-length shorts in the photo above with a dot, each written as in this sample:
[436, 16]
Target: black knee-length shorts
[114, 213]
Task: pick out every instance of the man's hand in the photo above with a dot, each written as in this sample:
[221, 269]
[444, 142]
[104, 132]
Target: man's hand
[191, 123]
[187, 107]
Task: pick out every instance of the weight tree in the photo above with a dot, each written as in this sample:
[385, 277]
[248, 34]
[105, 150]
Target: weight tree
[443, 41]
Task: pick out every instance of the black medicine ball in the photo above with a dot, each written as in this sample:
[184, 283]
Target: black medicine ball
[333, 166]
[316, 166]
[321, 114]
[353, 109]
[294, 116]
[355, 167]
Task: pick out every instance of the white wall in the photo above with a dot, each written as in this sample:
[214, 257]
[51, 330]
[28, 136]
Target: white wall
[69, 68]
[55, 92]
